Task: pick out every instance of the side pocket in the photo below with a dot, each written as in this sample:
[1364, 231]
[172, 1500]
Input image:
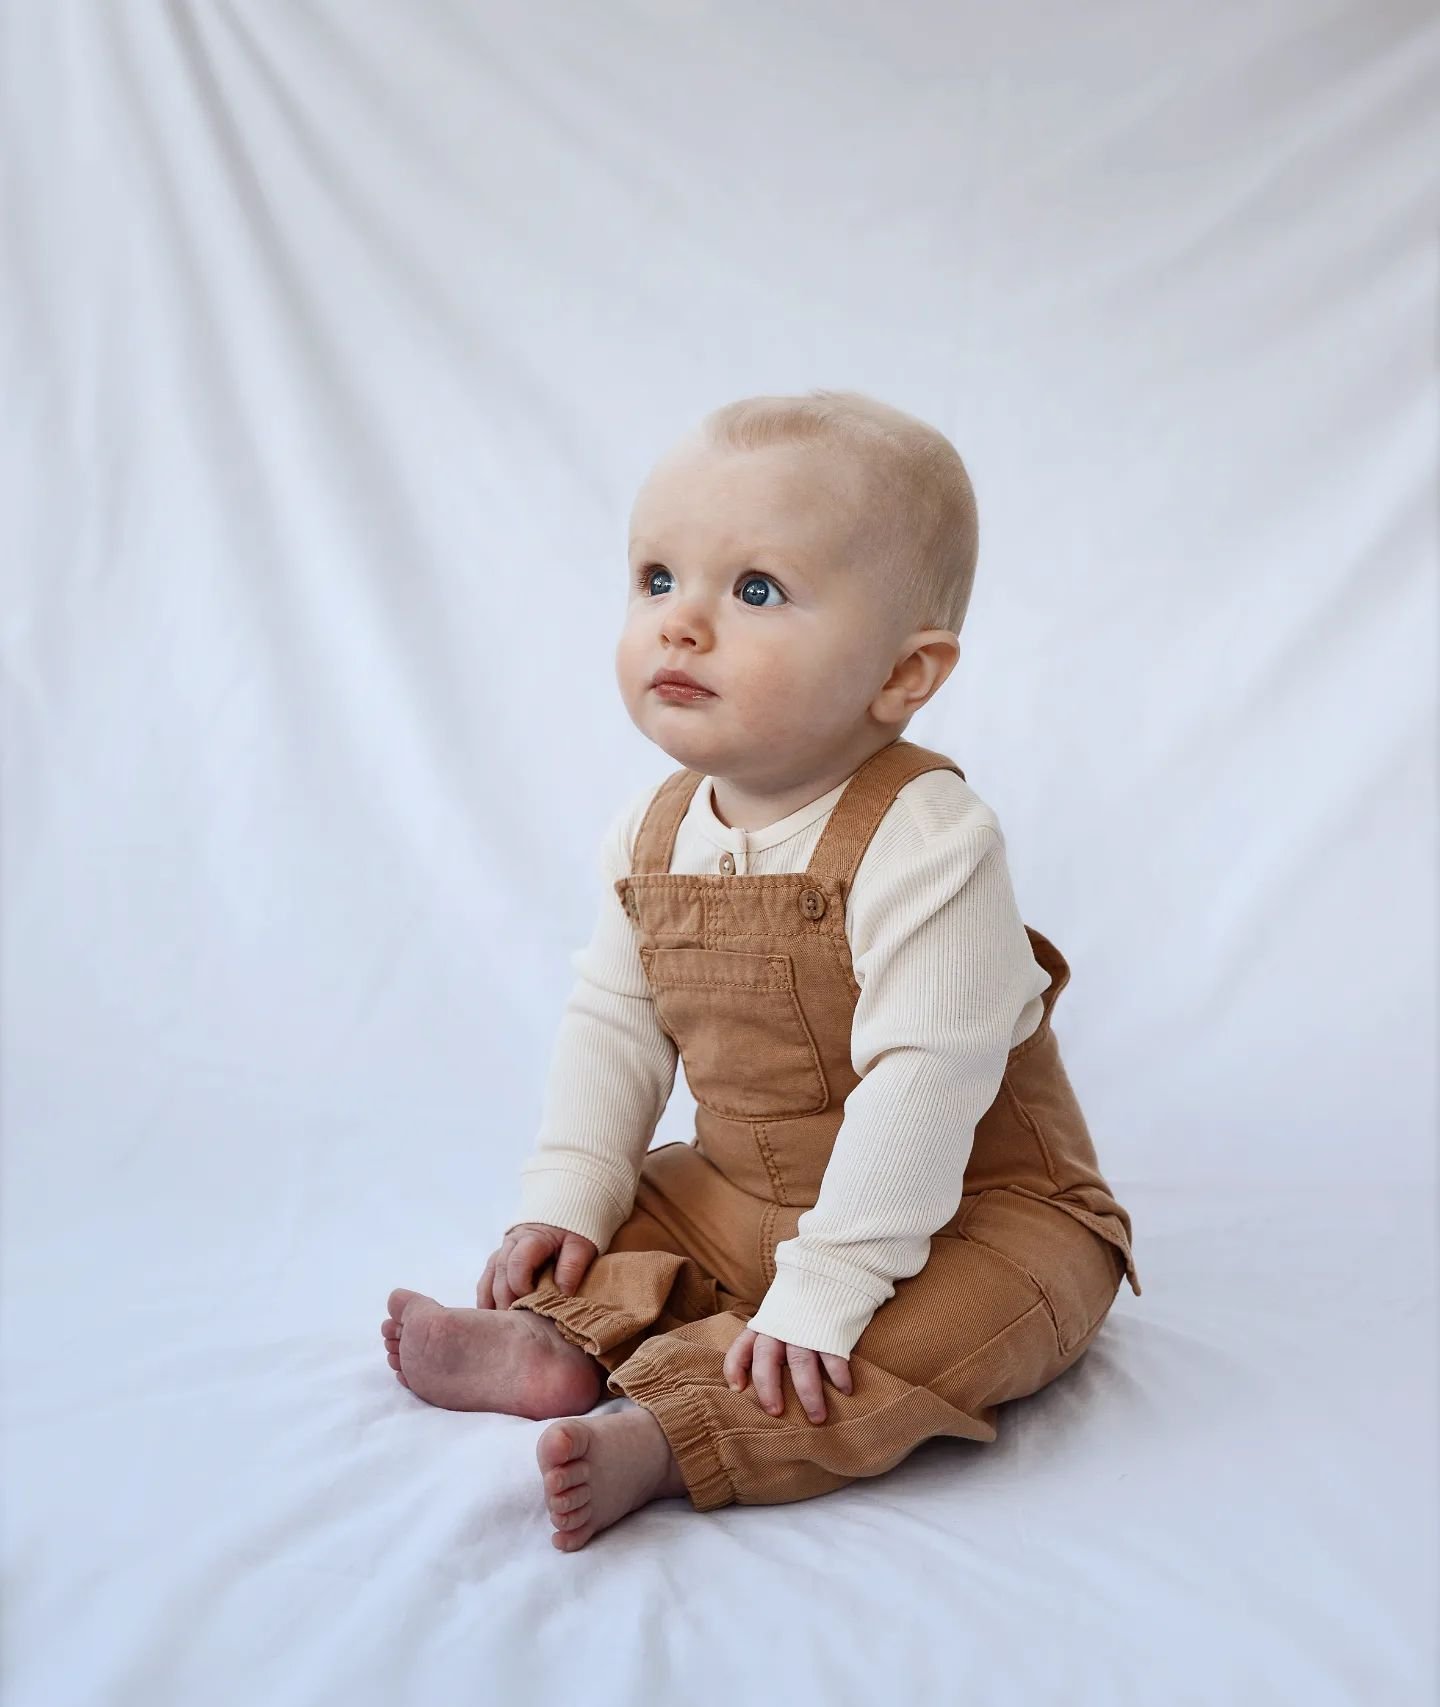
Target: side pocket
[1072, 1269]
[1109, 1227]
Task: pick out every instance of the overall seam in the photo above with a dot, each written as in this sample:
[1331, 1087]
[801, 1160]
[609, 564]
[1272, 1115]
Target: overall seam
[1034, 1280]
[844, 964]
[767, 1248]
[1029, 1120]
[760, 1131]
[770, 935]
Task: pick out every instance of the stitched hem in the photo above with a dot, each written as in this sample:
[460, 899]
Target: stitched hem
[682, 1416]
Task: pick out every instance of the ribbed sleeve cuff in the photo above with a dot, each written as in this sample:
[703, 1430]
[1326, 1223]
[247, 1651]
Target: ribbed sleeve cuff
[807, 1309]
[570, 1200]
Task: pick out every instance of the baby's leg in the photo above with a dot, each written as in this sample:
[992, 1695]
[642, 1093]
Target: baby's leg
[597, 1470]
[488, 1360]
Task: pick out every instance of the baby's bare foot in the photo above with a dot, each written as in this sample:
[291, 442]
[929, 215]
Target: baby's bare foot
[598, 1470]
[487, 1360]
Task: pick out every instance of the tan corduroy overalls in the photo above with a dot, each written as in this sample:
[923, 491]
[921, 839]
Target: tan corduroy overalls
[752, 978]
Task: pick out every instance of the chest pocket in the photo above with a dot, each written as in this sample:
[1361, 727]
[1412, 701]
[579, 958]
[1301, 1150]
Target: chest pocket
[736, 1019]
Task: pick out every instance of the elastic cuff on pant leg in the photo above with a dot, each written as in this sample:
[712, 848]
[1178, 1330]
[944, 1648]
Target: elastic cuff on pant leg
[576, 1318]
[682, 1416]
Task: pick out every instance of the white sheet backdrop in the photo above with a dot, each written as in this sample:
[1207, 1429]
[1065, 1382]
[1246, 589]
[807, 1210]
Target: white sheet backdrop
[336, 338]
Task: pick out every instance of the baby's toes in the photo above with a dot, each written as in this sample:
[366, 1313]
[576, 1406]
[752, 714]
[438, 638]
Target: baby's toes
[572, 1500]
[398, 1301]
[562, 1446]
[567, 1494]
[566, 1476]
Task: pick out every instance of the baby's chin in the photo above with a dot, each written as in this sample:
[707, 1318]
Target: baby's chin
[689, 748]
[692, 735]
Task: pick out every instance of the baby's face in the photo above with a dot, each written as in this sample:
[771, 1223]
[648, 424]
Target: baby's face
[748, 571]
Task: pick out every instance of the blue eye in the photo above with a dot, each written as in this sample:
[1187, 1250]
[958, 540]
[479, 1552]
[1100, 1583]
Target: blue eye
[757, 581]
[644, 579]
[644, 576]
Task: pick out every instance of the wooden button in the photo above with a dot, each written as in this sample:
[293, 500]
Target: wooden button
[812, 903]
[727, 864]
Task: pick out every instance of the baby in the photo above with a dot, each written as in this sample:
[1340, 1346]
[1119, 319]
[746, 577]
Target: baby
[891, 1191]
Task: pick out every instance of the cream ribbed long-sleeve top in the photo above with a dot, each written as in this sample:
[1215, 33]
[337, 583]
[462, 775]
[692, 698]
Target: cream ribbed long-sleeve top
[948, 985]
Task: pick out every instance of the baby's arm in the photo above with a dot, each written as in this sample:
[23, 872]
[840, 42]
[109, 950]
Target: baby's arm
[611, 1072]
[945, 969]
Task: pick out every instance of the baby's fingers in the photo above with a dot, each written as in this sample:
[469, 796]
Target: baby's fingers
[838, 1369]
[507, 1284]
[805, 1373]
[529, 1253]
[737, 1360]
[526, 1254]
[765, 1369]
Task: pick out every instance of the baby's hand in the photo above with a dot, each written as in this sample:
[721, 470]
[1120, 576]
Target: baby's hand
[510, 1272]
[765, 1354]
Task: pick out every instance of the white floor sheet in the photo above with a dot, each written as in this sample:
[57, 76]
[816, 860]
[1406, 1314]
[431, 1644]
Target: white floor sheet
[335, 340]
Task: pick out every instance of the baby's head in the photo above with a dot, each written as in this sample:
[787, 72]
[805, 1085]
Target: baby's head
[809, 560]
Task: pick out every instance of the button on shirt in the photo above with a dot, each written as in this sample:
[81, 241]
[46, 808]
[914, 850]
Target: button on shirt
[738, 846]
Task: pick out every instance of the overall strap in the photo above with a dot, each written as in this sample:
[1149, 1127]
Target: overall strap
[868, 797]
[853, 820]
[655, 839]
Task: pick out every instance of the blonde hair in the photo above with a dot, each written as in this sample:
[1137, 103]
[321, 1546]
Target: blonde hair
[924, 516]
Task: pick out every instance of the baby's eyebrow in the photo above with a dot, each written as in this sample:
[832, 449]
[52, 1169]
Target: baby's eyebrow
[766, 561]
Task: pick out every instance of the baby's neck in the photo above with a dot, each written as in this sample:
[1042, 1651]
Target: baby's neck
[748, 809]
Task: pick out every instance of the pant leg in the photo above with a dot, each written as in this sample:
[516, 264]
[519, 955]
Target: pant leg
[690, 1249]
[1005, 1304]
[642, 1286]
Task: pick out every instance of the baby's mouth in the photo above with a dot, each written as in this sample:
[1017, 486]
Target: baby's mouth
[679, 685]
[681, 693]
